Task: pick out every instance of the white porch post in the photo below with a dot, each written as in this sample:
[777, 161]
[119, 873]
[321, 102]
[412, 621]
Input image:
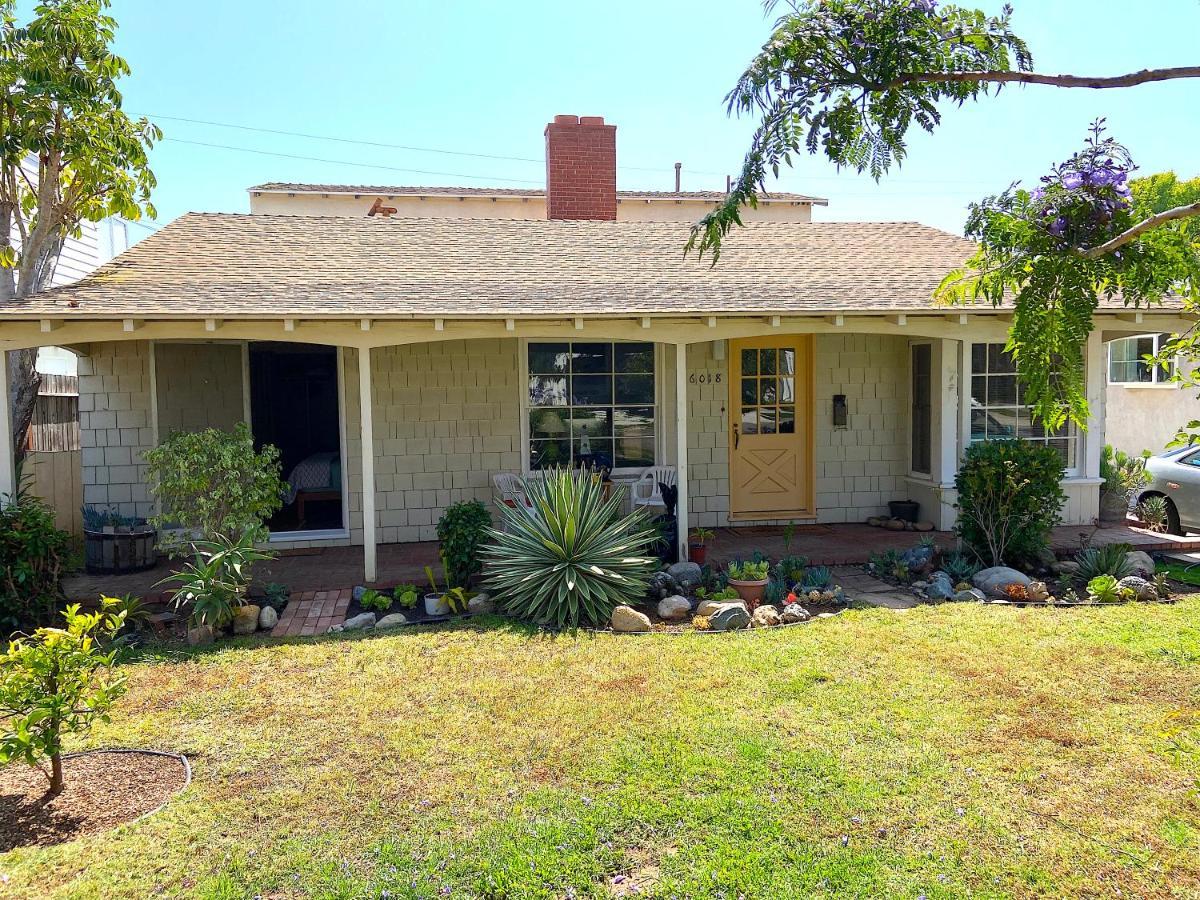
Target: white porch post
[366, 423]
[8, 471]
[681, 441]
[1096, 371]
[954, 393]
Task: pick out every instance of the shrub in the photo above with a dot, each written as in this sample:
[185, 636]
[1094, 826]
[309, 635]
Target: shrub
[215, 582]
[749, 571]
[570, 559]
[791, 568]
[55, 682]
[462, 530]
[1123, 475]
[373, 599]
[213, 483]
[816, 578]
[1009, 497]
[1109, 560]
[32, 555]
[276, 595]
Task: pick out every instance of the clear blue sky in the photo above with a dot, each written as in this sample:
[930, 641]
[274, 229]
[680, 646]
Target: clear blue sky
[485, 77]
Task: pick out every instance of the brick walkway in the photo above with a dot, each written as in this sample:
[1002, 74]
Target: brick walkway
[312, 612]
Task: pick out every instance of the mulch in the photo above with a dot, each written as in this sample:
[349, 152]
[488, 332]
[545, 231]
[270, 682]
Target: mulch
[101, 790]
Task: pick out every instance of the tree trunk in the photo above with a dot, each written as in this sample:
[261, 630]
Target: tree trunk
[56, 775]
[24, 382]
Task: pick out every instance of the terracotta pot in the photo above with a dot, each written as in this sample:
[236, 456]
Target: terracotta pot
[750, 591]
[697, 553]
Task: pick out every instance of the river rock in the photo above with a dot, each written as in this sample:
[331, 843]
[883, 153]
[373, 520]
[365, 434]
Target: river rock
[481, 604]
[708, 607]
[971, 595]
[200, 635]
[729, 617]
[628, 619]
[674, 608]
[894, 525]
[663, 585]
[358, 592]
[1142, 562]
[245, 619]
[686, 574]
[362, 620]
[877, 521]
[993, 581]
[267, 618]
[923, 526]
[793, 612]
[940, 587]
[392, 620]
[1145, 591]
[1037, 590]
[765, 617]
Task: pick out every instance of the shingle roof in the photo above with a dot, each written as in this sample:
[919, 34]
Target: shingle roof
[259, 266]
[401, 190]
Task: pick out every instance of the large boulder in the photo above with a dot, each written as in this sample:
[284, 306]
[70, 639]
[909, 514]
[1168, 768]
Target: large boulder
[392, 620]
[674, 608]
[686, 574]
[481, 604]
[993, 581]
[245, 619]
[729, 617]
[793, 612]
[362, 620]
[765, 617]
[1142, 562]
[268, 618]
[628, 619]
[708, 607]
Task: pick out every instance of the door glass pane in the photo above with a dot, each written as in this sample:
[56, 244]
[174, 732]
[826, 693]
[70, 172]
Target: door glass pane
[766, 420]
[787, 362]
[634, 358]
[749, 420]
[787, 420]
[545, 359]
[750, 390]
[591, 358]
[591, 390]
[767, 390]
[768, 361]
[787, 390]
[749, 362]
[635, 389]
[547, 390]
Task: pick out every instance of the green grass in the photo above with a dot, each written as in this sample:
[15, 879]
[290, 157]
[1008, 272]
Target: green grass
[946, 751]
[1180, 572]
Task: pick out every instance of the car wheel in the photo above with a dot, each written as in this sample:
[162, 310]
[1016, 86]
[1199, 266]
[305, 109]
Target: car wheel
[1173, 524]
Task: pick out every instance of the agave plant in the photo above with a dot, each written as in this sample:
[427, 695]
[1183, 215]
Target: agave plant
[959, 567]
[1108, 560]
[570, 558]
[215, 582]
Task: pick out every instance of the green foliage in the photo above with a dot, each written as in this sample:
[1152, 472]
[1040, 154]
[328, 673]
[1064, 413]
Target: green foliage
[1009, 497]
[212, 483]
[32, 555]
[1153, 513]
[726, 593]
[959, 567]
[740, 570]
[406, 595]
[791, 568]
[133, 611]
[1123, 474]
[1107, 560]
[57, 682]
[817, 578]
[572, 558]
[276, 595]
[456, 600]
[215, 582]
[1103, 589]
[700, 536]
[776, 591]
[375, 600]
[462, 530]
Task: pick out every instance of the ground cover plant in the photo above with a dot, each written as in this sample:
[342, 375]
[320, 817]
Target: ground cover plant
[515, 763]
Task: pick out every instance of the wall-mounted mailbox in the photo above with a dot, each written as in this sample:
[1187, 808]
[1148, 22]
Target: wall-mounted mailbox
[841, 417]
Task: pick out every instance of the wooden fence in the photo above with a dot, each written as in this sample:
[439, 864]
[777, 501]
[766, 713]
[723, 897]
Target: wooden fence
[57, 479]
[55, 425]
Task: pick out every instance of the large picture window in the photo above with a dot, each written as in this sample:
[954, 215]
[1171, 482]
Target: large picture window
[922, 408]
[591, 404]
[999, 411]
[1127, 364]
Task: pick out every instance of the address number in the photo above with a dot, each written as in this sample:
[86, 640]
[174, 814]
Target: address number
[705, 378]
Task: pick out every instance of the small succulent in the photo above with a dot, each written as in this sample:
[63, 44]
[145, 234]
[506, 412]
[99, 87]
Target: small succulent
[1103, 589]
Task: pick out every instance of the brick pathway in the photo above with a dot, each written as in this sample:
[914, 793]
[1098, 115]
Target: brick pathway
[312, 612]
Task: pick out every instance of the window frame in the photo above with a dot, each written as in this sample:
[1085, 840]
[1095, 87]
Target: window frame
[1158, 379]
[658, 404]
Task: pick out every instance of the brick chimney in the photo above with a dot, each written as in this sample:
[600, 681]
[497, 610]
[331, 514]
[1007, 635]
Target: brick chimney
[581, 168]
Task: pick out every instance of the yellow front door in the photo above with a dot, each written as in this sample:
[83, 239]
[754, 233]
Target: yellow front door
[771, 428]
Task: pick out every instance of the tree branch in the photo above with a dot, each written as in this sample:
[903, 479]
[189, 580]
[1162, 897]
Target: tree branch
[1132, 79]
[1125, 237]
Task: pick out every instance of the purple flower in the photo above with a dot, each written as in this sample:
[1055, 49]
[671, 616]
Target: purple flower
[1072, 181]
[1058, 226]
[927, 5]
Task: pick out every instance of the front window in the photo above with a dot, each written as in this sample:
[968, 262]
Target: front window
[591, 404]
[999, 411]
[922, 409]
[1127, 360]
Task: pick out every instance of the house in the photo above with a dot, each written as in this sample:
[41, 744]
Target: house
[1144, 408]
[807, 377]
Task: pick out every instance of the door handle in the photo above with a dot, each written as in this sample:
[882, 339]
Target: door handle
[737, 437]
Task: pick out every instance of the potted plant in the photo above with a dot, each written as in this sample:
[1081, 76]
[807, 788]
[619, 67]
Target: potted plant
[749, 579]
[114, 544]
[436, 602]
[1124, 476]
[697, 552]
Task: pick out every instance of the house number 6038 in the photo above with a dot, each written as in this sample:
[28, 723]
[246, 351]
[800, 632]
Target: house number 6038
[704, 378]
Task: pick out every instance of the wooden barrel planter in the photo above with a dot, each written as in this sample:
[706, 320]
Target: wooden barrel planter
[116, 550]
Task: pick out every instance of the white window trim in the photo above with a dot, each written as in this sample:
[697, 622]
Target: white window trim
[913, 474]
[1156, 384]
[625, 473]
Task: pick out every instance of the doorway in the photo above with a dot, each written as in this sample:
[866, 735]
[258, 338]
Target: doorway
[771, 427]
[295, 405]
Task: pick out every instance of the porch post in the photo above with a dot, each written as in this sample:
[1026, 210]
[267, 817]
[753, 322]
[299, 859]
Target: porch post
[1096, 364]
[8, 470]
[681, 442]
[365, 405]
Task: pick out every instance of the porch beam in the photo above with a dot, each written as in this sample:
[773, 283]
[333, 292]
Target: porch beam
[900, 320]
[8, 466]
[48, 325]
[681, 448]
[367, 428]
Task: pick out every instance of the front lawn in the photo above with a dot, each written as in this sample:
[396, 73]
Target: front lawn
[944, 751]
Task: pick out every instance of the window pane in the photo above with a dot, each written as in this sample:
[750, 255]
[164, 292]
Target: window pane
[547, 390]
[979, 390]
[1001, 424]
[591, 422]
[999, 361]
[591, 357]
[546, 359]
[787, 420]
[547, 423]
[635, 389]
[594, 453]
[547, 454]
[637, 452]
[749, 362]
[767, 390]
[1002, 390]
[749, 420]
[634, 357]
[634, 421]
[591, 390]
[979, 358]
[767, 362]
[750, 390]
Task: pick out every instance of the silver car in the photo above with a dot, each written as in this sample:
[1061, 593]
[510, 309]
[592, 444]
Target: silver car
[1176, 475]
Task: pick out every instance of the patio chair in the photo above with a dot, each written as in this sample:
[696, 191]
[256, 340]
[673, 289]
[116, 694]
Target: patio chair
[510, 491]
[647, 490]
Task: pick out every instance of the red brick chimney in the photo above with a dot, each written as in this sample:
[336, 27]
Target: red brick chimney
[581, 168]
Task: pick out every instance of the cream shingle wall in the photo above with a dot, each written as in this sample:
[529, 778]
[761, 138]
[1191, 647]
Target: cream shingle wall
[199, 386]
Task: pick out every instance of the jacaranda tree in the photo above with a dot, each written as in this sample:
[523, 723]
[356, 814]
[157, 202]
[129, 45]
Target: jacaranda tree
[849, 78]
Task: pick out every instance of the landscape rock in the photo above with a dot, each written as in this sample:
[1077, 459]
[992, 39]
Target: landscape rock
[1046, 558]
[918, 558]
[662, 585]
[765, 617]
[894, 525]
[674, 608]
[1037, 590]
[730, 617]
[334, 629]
[200, 636]
[481, 604]
[708, 607]
[877, 521]
[362, 620]
[357, 593]
[686, 574]
[940, 587]
[973, 595]
[923, 526]
[392, 620]
[628, 619]
[1145, 591]
[1142, 562]
[793, 612]
[245, 619]
[1066, 567]
[993, 581]
[268, 618]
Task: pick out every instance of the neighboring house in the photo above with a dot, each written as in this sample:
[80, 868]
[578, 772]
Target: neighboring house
[1145, 409]
[806, 377]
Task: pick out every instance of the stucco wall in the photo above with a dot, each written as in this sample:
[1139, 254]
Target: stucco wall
[199, 386]
[1141, 418]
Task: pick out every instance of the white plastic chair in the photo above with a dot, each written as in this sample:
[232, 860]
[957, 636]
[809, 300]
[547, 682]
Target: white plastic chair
[510, 491]
[646, 490]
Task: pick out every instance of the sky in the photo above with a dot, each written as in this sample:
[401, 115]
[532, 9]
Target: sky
[476, 77]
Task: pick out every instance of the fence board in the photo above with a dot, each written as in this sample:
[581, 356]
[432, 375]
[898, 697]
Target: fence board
[57, 479]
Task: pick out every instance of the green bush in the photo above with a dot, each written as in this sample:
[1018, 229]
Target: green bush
[33, 553]
[56, 682]
[215, 582]
[570, 559]
[1009, 497]
[1109, 560]
[213, 483]
[462, 529]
